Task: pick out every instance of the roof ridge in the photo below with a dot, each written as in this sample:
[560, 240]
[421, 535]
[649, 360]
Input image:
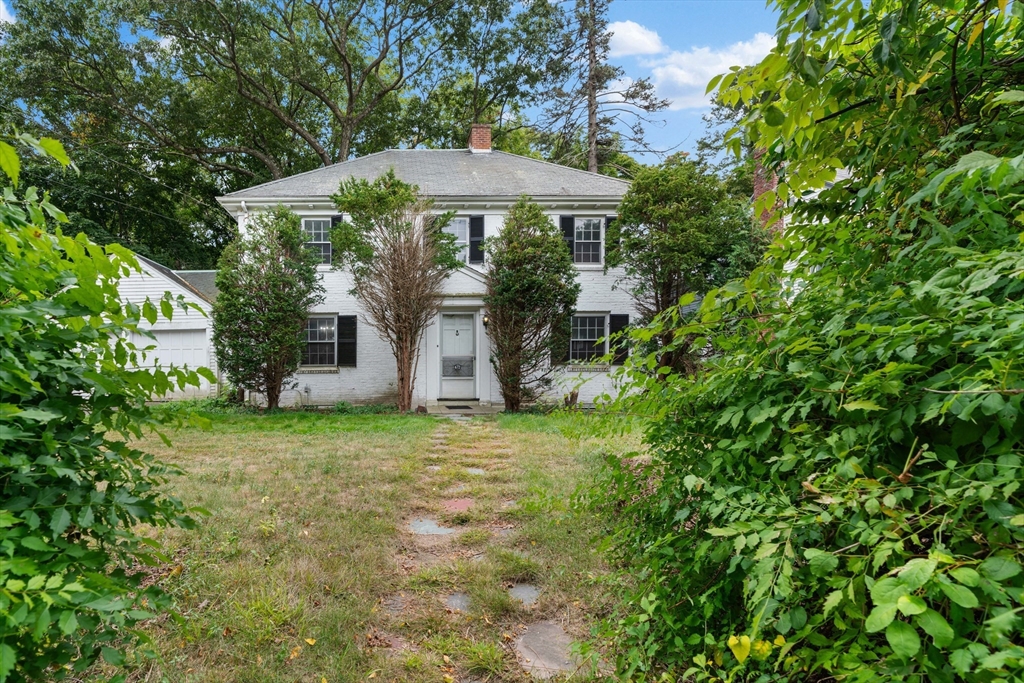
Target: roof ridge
[173, 276]
[560, 166]
[314, 170]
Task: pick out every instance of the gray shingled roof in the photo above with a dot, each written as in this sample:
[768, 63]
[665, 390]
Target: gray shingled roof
[205, 281]
[448, 173]
[173, 276]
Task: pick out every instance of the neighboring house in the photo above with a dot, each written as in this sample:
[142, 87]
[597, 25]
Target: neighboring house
[185, 339]
[345, 360]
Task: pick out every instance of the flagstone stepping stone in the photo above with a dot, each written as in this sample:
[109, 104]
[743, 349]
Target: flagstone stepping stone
[543, 650]
[457, 601]
[457, 489]
[508, 504]
[457, 504]
[395, 604]
[434, 468]
[422, 526]
[477, 471]
[525, 593]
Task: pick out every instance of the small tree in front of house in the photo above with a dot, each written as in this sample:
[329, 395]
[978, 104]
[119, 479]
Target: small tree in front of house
[267, 282]
[531, 294]
[399, 256]
[680, 232]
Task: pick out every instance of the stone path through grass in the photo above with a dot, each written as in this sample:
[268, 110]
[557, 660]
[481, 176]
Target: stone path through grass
[461, 548]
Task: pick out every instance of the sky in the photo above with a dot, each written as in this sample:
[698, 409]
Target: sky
[680, 45]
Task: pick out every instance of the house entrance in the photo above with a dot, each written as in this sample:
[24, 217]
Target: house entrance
[458, 356]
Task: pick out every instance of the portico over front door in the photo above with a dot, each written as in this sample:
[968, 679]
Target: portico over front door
[458, 356]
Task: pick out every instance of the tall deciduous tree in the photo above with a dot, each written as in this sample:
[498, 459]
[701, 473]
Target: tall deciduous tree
[267, 281]
[399, 256]
[680, 233]
[531, 295]
[597, 101]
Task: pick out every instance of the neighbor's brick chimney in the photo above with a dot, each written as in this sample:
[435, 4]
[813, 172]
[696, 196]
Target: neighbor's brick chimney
[480, 137]
[765, 180]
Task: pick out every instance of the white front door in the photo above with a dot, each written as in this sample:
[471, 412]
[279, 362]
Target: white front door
[458, 356]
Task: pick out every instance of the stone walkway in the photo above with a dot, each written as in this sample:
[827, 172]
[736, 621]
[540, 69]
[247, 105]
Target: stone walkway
[461, 527]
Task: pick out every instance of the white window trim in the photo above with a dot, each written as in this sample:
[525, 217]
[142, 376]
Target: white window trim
[306, 234]
[579, 220]
[323, 316]
[463, 255]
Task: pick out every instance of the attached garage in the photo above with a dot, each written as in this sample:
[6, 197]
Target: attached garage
[185, 339]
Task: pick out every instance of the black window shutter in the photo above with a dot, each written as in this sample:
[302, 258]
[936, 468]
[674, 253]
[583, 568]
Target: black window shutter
[611, 235]
[476, 239]
[561, 341]
[568, 224]
[617, 322]
[346, 341]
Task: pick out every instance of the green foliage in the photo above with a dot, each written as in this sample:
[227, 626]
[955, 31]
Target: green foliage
[680, 233]
[531, 295]
[72, 487]
[837, 494]
[346, 408]
[267, 282]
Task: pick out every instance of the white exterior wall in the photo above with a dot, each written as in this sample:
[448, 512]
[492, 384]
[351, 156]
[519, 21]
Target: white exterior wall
[185, 326]
[374, 377]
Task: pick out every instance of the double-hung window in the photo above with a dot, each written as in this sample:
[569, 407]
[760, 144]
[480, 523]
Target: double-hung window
[320, 341]
[460, 228]
[318, 237]
[586, 342]
[587, 247]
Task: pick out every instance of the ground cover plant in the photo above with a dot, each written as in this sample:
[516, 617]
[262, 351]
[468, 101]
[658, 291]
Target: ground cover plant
[836, 495]
[71, 399]
[305, 569]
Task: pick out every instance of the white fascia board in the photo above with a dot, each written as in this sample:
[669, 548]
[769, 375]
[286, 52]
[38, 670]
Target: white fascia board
[233, 205]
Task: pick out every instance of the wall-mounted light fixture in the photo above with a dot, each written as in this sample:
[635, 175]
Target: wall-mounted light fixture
[486, 319]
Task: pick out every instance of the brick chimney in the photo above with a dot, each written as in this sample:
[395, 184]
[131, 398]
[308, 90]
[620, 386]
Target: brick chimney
[765, 180]
[480, 138]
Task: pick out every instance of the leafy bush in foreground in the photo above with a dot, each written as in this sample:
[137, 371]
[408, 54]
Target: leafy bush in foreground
[71, 485]
[836, 496]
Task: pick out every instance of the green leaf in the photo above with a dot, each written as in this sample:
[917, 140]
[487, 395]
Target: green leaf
[68, 622]
[7, 657]
[961, 595]
[966, 576]
[36, 543]
[112, 656]
[55, 150]
[9, 162]
[61, 520]
[909, 605]
[832, 601]
[866, 405]
[903, 639]
[999, 568]
[977, 159]
[36, 582]
[822, 563]
[887, 591]
[773, 116]
[935, 625]
[880, 617]
[961, 660]
[166, 309]
[916, 573]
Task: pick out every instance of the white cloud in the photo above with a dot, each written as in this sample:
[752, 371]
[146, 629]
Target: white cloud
[630, 38]
[6, 15]
[683, 77]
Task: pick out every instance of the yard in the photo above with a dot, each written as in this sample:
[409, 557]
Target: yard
[307, 568]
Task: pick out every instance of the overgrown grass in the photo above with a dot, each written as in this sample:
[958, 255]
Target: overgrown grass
[283, 581]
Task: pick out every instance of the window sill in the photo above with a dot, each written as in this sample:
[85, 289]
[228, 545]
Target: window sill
[589, 266]
[317, 370]
[569, 367]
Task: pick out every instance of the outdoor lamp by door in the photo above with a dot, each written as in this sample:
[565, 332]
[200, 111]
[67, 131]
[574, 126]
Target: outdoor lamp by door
[486, 319]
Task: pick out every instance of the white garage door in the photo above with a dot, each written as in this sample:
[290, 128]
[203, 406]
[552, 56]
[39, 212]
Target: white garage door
[179, 348]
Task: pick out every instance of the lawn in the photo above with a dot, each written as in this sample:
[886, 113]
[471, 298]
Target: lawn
[306, 570]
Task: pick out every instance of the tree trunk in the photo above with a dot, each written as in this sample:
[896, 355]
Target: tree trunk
[591, 86]
[404, 371]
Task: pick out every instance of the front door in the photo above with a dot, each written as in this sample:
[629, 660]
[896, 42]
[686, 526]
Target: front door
[458, 356]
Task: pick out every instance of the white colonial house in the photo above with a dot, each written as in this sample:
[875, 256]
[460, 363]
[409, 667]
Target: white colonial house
[345, 360]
